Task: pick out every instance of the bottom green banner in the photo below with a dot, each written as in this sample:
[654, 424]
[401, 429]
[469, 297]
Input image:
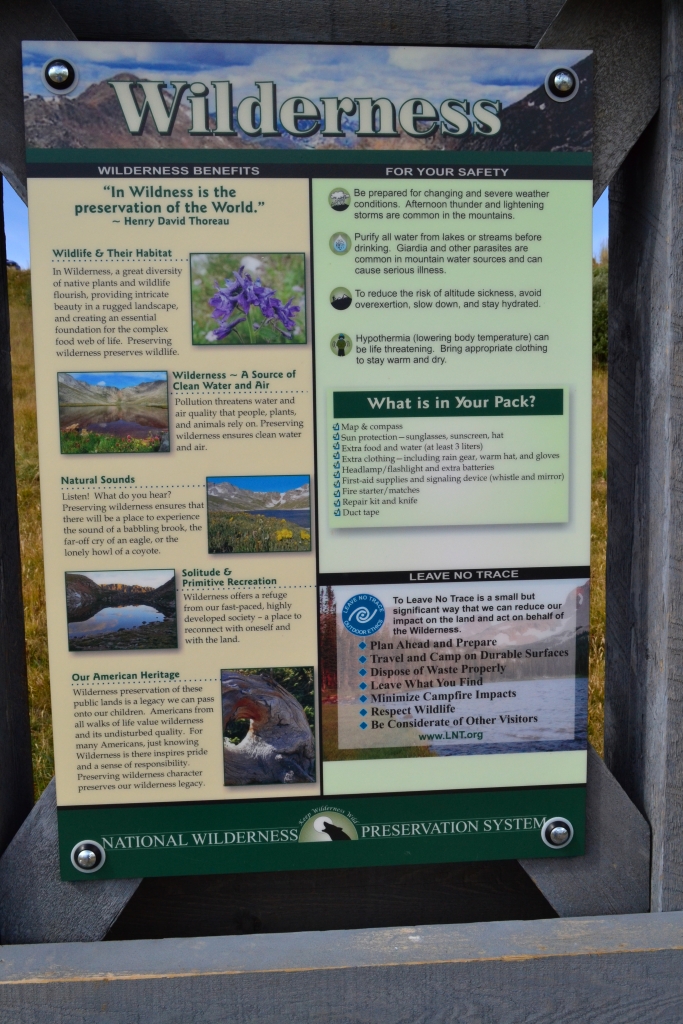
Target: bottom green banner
[284, 835]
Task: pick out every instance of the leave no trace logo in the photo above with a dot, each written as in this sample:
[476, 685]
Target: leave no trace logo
[363, 614]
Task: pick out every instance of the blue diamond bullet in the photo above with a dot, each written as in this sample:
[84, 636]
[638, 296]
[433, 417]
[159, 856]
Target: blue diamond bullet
[362, 645]
[362, 686]
[363, 700]
[363, 725]
[363, 672]
[363, 712]
[362, 658]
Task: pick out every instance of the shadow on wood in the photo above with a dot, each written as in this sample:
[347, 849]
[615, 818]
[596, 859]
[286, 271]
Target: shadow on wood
[290, 901]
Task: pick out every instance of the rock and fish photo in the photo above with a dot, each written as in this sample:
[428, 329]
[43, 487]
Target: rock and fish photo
[268, 720]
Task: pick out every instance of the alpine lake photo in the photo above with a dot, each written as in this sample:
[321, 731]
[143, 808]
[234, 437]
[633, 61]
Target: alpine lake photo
[113, 413]
[121, 610]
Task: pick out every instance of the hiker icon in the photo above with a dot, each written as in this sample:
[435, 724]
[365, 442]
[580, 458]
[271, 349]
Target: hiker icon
[341, 344]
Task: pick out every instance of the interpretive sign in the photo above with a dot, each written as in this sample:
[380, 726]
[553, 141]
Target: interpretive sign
[313, 365]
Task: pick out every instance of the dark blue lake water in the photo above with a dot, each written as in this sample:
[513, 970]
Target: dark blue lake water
[300, 516]
[110, 620]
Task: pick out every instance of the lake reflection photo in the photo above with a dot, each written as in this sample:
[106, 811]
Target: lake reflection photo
[111, 413]
[121, 611]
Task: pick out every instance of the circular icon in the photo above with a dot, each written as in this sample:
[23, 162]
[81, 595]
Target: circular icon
[59, 76]
[339, 199]
[562, 84]
[340, 298]
[340, 244]
[328, 827]
[341, 344]
[557, 833]
[88, 856]
[363, 614]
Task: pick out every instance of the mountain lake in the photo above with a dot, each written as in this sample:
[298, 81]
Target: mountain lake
[120, 421]
[299, 516]
[111, 620]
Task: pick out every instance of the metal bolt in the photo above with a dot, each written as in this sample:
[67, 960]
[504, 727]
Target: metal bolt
[58, 73]
[559, 835]
[86, 859]
[563, 82]
[88, 856]
[557, 832]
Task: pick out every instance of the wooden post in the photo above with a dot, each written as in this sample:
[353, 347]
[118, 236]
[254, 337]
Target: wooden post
[16, 779]
[644, 677]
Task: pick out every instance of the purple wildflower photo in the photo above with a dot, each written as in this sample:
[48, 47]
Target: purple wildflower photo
[248, 299]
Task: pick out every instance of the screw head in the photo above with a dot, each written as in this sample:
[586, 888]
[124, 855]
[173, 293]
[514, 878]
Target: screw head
[59, 75]
[88, 856]
[562, 84]
[559, 835]
[557, 832]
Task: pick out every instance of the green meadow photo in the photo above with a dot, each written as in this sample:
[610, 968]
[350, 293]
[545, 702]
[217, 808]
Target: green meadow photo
[248, 298]
[248, 514]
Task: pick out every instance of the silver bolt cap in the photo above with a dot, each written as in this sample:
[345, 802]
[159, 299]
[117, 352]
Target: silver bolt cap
[559, 835]
[563, 81]
[86, 859]
[58, 73]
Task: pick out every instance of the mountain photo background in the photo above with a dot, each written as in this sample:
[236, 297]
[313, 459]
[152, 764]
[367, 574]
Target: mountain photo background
[90, 116]
[248, 514]
[110, 413]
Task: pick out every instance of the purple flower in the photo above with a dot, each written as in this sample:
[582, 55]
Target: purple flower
[224, 330]
[286, 314]
[241, 293]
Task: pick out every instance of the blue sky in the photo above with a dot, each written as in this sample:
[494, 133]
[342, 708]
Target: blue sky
[600, 223]
[261, 484]
[16, 227]
[129, 379]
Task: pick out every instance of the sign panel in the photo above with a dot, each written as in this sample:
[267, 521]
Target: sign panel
[313, 364]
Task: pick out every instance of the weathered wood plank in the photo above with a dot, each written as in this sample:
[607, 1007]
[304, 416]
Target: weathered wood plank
[625, 37]
[644, 669]
[614, 875]
[35, 904]
[29, 19]
[616, 970]
[16, 792]
[427, 22]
